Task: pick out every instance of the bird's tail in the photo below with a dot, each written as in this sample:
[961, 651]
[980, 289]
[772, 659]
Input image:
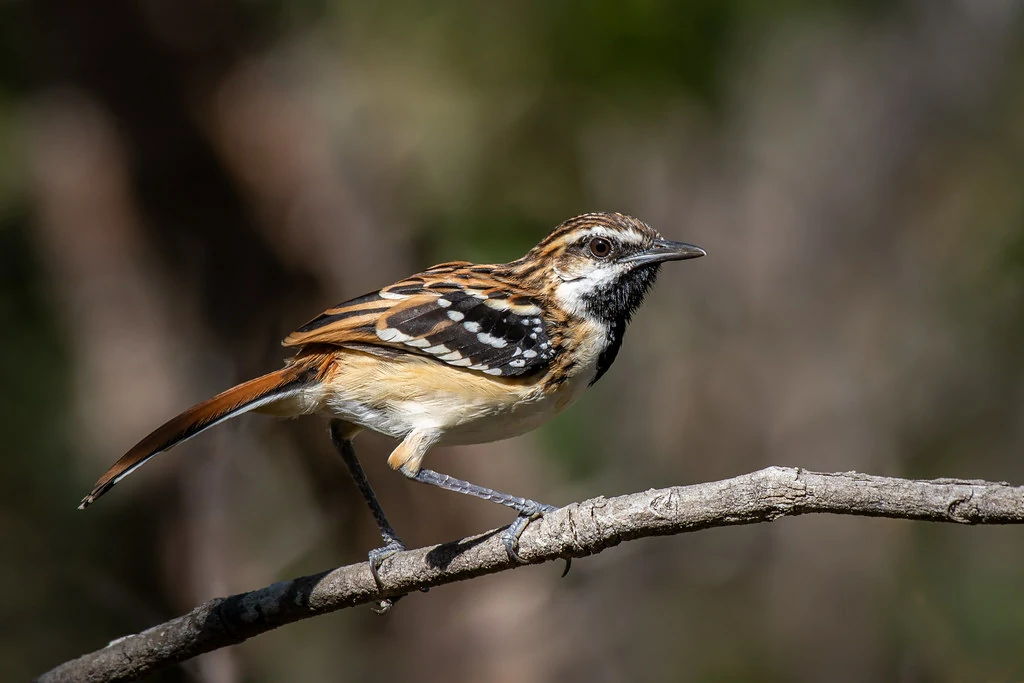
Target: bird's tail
[251, 395]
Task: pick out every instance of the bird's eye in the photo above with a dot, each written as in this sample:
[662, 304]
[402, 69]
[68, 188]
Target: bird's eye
[600, 247]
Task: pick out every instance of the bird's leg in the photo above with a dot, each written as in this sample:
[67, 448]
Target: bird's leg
[341, 435]
[528, 510]
[407, 458]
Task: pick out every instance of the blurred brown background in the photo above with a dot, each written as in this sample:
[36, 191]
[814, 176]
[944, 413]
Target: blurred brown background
[184, 182]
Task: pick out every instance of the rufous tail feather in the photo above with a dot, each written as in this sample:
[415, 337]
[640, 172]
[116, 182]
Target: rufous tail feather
[235, 401]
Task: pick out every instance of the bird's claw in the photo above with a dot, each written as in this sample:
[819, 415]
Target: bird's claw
[384, 606]
[376, 558]
[510, 537]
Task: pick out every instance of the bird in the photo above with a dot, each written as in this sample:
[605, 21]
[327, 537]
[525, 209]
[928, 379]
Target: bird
[460, 353]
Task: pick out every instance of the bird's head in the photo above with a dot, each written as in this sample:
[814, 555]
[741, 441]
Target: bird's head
[601, 265]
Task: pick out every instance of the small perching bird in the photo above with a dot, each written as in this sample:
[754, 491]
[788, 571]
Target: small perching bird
[458, 354]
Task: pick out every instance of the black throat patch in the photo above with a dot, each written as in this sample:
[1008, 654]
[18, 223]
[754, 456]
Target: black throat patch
[615, 305]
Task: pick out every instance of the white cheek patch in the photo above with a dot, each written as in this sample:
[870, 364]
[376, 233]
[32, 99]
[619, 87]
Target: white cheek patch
[572, 294]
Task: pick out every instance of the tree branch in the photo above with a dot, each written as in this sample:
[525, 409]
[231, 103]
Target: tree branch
[577, 530]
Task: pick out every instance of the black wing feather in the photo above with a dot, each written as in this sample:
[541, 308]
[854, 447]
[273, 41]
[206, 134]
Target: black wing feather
[474, 329]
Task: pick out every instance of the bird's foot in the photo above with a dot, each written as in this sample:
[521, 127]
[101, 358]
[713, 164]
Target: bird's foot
[510, 537]
[378, 555]
[376, 558]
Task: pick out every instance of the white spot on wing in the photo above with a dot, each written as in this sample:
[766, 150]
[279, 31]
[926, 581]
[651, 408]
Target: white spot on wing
[493, 371]
[530, 353]
[450, 357]
[462, 362]
[496, 342]
[443, 303]
[390, 334]
[384, 294]
[525, 310]
[455, 315]
[440, 348]
[418, 343]
[471, 326]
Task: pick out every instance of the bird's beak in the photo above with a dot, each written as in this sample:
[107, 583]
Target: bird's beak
[664, 250]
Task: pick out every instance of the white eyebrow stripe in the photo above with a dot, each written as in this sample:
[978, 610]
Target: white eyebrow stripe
[627, 235]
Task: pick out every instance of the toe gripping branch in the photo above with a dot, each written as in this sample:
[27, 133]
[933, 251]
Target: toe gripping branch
[528, 510]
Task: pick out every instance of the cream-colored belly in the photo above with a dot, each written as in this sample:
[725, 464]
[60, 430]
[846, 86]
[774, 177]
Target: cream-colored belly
[398, 396]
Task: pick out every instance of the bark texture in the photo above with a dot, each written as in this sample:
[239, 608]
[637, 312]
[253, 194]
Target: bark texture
[577, 530]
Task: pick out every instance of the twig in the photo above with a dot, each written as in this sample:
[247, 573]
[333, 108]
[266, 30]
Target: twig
[577, 530]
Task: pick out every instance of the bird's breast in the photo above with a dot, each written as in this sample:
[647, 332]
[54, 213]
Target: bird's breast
[397, 395]
[394, 396]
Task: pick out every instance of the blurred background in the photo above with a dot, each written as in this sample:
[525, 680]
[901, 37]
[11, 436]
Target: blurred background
[183, 182]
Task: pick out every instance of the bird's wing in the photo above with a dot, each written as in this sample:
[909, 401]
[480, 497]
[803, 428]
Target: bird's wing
[453, 313]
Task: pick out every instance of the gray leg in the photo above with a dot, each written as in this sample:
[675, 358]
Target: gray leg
[391, 543]
[528, 510]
